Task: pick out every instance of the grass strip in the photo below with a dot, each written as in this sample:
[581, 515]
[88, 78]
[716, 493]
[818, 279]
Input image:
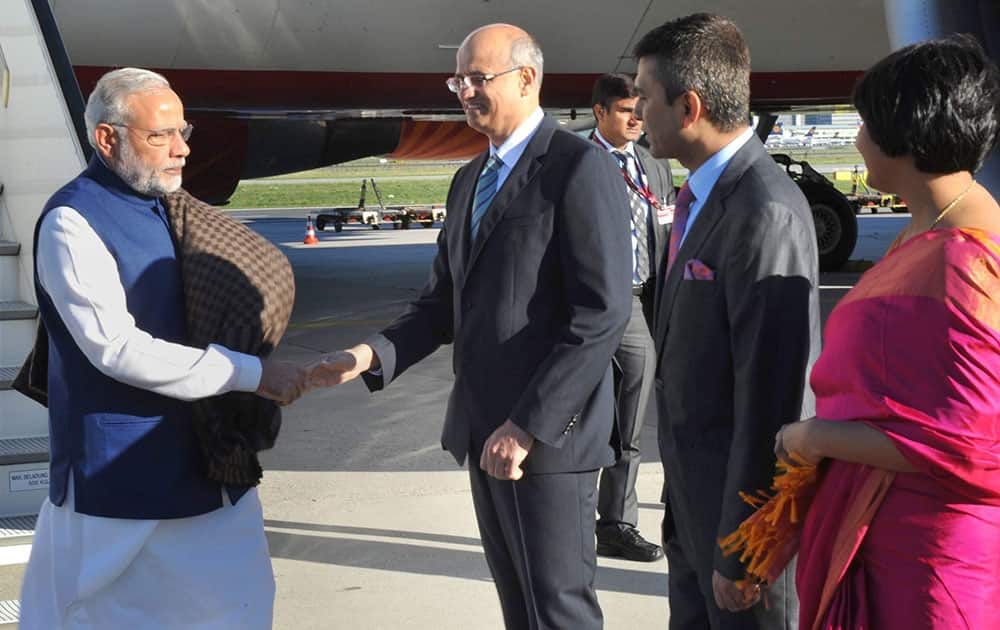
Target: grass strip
[345, 194]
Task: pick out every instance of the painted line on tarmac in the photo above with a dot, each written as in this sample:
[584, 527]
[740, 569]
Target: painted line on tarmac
[342, 322]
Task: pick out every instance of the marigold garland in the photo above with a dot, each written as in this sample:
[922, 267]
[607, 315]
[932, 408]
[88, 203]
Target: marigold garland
[769, 537]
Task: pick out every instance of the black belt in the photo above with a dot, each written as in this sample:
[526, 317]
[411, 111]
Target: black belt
[637, 289]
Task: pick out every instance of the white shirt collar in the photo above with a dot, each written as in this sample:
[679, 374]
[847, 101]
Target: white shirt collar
[629, 148]
[510, 151]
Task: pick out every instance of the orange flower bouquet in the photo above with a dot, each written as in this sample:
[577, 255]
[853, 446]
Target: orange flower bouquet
[769, 538]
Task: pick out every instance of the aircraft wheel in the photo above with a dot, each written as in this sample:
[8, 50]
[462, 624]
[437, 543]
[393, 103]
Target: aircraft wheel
[836, 226]
[338, 227]
[320, 224]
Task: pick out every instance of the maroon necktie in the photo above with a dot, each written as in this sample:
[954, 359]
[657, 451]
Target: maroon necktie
[681, 208]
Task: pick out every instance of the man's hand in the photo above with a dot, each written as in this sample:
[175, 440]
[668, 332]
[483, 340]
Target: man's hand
[281, 381]
[729, 596]
[342, 366]
[505, 450]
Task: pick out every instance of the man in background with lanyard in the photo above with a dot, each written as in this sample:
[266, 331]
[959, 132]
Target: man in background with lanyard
[650, 191]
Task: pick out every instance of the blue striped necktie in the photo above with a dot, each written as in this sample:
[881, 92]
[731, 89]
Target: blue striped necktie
[486, 190]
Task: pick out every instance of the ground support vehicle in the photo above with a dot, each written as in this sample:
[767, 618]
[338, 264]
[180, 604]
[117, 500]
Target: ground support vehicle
[833, 213]
[866, 198]
[399, 217]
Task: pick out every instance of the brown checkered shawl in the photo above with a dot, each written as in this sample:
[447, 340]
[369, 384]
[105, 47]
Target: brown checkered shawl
[239, 291]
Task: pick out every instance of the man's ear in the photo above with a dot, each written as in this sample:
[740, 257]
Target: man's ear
[106, 138]
[694, 109]
[529, 78]
[599, 112]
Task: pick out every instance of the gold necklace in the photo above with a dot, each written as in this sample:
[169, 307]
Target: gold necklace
[951, 204]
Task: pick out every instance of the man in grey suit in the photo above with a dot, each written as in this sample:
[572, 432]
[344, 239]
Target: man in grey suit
[531, 284]
[650, 189]
[737, 316]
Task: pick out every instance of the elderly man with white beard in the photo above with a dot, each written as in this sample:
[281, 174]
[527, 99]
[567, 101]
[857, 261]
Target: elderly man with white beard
[134, 533]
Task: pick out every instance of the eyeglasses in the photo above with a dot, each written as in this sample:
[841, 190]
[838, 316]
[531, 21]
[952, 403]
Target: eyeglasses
[459, 82]
[161, 137]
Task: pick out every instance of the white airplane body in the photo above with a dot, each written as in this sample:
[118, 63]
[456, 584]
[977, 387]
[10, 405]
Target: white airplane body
[276, 86]
[292, 84]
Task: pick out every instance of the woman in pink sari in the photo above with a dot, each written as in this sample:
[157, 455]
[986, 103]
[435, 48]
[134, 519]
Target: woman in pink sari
[904, 528]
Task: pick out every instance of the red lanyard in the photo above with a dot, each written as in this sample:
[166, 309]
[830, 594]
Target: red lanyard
[643, 190]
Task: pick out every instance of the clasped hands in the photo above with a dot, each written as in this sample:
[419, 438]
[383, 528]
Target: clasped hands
[285, 382]
[504, 452]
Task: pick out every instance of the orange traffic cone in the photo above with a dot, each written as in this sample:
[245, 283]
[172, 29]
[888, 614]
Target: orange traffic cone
[310, 232]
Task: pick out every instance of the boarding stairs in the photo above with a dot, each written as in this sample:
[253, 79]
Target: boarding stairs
[40, 150]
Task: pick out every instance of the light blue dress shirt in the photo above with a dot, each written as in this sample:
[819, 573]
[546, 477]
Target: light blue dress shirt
[510, 151]
[702, 181]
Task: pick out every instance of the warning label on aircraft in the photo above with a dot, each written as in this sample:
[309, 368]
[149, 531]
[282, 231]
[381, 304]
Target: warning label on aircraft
[25, 480]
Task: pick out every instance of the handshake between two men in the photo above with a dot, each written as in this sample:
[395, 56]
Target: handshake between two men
[285, 382]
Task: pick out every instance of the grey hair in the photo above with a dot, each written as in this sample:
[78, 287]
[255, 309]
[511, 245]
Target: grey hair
[107, 102]
[525, 51]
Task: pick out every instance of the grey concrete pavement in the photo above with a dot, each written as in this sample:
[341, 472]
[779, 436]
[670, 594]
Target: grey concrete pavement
[370, 523]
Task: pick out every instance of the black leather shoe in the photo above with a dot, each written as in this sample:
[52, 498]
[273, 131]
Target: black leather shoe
[624, 541]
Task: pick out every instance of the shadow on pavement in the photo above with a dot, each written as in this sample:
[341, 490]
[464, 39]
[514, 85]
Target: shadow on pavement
[369, 531]
[424, 560]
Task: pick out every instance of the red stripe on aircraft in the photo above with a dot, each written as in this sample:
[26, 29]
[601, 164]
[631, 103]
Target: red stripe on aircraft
[287, 89]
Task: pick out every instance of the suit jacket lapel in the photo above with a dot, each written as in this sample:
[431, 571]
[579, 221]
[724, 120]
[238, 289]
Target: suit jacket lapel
[709, 215]
[523, 172]
[464, 189]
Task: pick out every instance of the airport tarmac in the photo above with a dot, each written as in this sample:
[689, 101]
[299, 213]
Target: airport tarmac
[370, 523]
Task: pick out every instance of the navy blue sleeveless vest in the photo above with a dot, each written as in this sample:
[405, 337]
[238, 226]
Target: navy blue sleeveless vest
[133, 453]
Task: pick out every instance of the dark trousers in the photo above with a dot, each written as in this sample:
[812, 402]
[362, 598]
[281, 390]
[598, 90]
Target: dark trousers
[636, 361]
[538, 536]
[692, 601]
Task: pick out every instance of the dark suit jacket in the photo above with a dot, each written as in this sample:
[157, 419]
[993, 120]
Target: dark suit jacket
[733, 354]
[535, 306]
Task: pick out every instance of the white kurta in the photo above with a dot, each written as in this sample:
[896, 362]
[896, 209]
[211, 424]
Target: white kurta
[203, 572]
[206, 572]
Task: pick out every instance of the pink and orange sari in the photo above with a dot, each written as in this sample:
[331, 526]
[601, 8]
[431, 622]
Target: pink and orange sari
[913, 351]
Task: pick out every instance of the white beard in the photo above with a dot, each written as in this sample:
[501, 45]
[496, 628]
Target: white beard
[140, 177]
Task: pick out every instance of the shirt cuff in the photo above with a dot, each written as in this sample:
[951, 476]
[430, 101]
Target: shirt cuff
[247, 369]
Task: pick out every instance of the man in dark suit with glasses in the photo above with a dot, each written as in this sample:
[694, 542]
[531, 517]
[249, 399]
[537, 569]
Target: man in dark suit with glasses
[531, 284]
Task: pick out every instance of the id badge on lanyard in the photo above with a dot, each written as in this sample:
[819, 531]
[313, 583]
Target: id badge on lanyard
[665, 215]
